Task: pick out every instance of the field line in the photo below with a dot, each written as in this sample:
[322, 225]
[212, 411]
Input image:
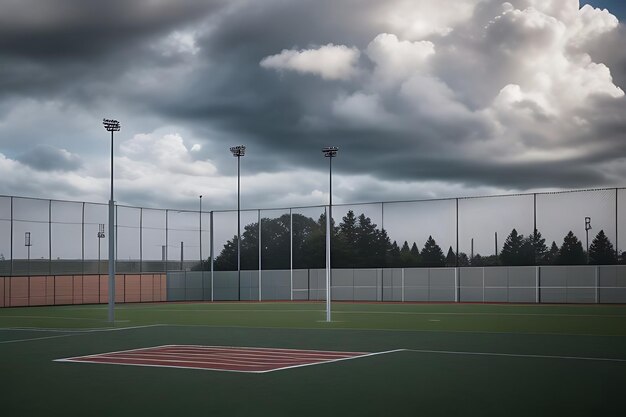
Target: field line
[78, 333]
[516, 355]
[332, 360]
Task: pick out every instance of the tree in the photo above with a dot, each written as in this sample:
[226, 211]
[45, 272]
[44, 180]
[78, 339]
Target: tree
[463, 259]
[393, 256]
[571, 252]
[432, 254]
[450, 258]
[517, 250]
[551, 256]
[537, 245]
[601, 251]
[415, 255]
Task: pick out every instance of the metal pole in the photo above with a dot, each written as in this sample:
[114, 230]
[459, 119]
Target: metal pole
[239, 228]
[260, 265]
[166, 238]
[291, 254]
[11, 243]
[49, 237]
[328, 240]
[535, 228]
[82, 242]
[140, 241]
[111, 246]
[457, 232]
[200, 236]
[181, 256]
[211, 249]
[616, 227]
[496, 243]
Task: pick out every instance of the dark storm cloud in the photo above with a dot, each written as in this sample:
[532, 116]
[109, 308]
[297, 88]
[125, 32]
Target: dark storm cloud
[450, 125]
[48, 158]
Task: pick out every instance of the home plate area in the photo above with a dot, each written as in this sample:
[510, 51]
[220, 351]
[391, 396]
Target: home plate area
[219, 358]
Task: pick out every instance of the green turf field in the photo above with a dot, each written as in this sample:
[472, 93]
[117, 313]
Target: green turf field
[457, 360]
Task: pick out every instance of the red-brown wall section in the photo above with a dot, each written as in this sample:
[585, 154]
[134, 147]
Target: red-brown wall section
[80, 289]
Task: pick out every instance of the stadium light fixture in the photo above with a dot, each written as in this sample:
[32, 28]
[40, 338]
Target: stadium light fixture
[329, 152]
[587, 229]
[111, 125]
[238, 152]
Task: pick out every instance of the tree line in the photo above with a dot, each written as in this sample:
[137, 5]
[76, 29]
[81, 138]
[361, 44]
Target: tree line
[358, 243]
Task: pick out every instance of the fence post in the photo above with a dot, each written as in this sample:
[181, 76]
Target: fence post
[260, 297]
[597, 271]
[402, 284]
[166, 239]
[211, 243]
[537, 273]
[457, 286]
[457, 233]
[49, 239]
[82, 244]
[291, 254]
[140, 240]
[11, 246]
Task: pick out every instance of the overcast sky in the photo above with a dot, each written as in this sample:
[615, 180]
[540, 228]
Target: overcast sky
[424, 99]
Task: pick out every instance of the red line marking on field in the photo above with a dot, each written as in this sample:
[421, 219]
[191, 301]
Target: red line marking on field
[220, 358]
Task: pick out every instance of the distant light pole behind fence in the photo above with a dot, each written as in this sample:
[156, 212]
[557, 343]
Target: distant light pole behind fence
[238, 152]
[111, 126]
[329, 152]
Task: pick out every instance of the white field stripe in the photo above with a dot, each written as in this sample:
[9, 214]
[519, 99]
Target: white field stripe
[50, 317]
[164, 366]
[402, 313]
[225, 357]
[516, 355]
[247, 352]
[264, 349]
[369, 329]
[77, 333]
[334, 360]
[208, 361]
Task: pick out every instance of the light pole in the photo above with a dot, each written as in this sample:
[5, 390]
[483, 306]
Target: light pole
[329, 152]
[101, 236]
[111, 126]
[200, 232]
[238, 152]
[587, 229]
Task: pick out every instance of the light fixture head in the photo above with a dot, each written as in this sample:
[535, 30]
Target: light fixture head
[330, 151]
[111, 125]
[238, 151]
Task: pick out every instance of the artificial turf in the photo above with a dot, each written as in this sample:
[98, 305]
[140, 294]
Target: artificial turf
[460, 359]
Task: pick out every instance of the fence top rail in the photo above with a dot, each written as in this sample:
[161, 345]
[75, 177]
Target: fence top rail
[423, 200]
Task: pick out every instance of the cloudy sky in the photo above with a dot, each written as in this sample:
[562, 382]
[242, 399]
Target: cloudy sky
[424, 98]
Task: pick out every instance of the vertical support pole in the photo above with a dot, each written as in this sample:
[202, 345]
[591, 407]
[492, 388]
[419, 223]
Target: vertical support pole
[456, 285]
[537, 272]
[457, 232]
[535, 228]
[616, 227]
[402, 284]
[597, 271]
[382, 216]
[49, 238]
[328, 264]
[291, 254]
[140, 240]
[11, 247]
[182, 256]
[260, 265]
[483, 268]
[211, 242]
[112, 242]
[82, 242]
[239, 227]
[166, 240]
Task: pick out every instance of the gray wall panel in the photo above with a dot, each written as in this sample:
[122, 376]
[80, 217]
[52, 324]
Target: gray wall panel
[613, 295]
[553, 295]
[442, 277]
[365, 278]
[580, 295]
[554, 276]
[441, 294]
[521, 295]
[471, 277]
[471, 294]
[416, 294]
[496, 295]
[365, 294]
[496, 276]
[343, 277]
[581, 276]
[416, 277]
[521, 276]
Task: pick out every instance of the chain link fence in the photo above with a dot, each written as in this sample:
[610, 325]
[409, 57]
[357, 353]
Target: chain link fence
[50, 237]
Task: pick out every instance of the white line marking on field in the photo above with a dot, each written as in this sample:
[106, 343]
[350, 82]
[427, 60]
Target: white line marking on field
[78, 332]
[516, 355]
[333, 360]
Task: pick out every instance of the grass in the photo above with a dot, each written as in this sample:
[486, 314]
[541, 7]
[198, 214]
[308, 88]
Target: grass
[459, 359]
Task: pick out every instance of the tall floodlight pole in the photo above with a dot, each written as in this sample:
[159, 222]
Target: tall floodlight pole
[329, 152]
[587, 229]
[200, 232]
[111, 126]
[238, 152]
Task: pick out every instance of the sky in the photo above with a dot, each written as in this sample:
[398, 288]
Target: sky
[425, 99]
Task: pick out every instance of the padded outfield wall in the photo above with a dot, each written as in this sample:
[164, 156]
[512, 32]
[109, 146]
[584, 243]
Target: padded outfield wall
[545, 284]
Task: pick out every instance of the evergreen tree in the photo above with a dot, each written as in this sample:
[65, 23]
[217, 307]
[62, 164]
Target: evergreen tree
[463, 259]
[393, 256]
[477, 260]
[365, 236]
[432, 254]
[405, 255]
[622, 258]
[601, 251]
[516, 250]
[551, 256]
[571, 252]
[537, 246]
[450, 258]
[415, 253]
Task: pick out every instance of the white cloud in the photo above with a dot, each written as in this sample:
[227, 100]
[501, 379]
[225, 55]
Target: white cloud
[331, 62]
